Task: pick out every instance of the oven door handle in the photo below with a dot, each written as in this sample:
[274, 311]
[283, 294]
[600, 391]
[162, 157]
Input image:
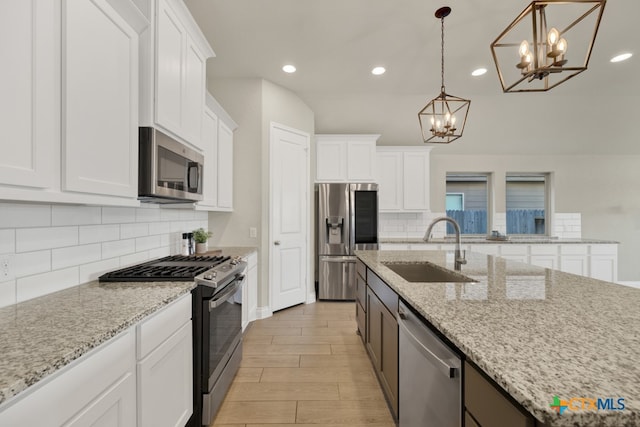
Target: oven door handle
[217, 302]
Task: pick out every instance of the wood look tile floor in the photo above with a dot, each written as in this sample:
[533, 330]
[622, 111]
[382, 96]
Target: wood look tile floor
[305, 366]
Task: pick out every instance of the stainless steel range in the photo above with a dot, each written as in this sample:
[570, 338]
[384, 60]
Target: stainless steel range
[216, 319]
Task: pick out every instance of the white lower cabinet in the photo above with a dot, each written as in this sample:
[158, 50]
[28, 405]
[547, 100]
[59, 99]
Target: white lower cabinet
[250, 292]
[165, 396]
[165, 366]
[97, 389]
[141, 377]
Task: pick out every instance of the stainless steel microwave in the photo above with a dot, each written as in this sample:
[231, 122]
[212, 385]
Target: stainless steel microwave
[168, 170]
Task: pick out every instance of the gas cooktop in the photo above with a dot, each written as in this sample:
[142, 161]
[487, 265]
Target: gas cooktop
[170, 268]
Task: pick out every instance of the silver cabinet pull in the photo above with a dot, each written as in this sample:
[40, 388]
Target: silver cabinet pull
[277, 243]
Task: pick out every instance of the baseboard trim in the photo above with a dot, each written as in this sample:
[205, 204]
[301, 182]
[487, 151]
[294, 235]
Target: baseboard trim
[263, 312]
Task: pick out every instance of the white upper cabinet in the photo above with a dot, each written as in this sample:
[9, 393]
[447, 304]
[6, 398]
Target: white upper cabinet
[225, 167]
[346, 158]
[403, 178]
[100, 97]
[30, 88]
[173, 77]
[70, 101]
[210, 172]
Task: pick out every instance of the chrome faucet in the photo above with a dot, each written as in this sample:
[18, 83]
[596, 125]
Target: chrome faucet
[459, 254]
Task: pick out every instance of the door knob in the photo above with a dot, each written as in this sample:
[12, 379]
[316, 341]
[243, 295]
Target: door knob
[277, 243]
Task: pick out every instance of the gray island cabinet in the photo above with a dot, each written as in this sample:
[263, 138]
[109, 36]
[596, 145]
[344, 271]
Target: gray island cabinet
[531, 339]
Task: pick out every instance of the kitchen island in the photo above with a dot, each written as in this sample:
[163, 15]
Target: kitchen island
[536, 333]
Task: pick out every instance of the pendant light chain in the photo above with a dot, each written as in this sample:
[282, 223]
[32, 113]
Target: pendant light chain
[442, 53]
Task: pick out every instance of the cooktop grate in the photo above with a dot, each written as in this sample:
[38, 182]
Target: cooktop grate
[169, 268]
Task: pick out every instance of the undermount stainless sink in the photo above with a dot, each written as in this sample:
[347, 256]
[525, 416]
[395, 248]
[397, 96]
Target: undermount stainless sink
[425, 272]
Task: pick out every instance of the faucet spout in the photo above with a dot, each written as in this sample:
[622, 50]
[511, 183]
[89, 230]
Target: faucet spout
[459, 254]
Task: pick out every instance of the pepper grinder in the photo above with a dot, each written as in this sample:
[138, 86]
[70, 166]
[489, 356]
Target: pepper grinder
[192, 244]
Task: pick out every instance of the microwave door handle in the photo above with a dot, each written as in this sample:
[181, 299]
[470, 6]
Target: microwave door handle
[191, 166]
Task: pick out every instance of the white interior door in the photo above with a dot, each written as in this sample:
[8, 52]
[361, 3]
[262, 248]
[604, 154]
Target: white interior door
[290, 224]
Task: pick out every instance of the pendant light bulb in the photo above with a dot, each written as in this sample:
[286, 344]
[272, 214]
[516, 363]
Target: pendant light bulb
[553, 36]
[524, 48]
[562, 46]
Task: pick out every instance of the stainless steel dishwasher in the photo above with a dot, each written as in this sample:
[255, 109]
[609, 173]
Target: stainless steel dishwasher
[430, 383]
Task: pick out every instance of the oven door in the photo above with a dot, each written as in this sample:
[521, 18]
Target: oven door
[223, 342]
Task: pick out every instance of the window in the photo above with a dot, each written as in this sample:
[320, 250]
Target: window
[526, 201]
[467, 201]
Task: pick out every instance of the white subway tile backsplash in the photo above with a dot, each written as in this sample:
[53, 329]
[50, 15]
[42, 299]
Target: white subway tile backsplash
[147, 215]
[158, 228]
[33, 239]
[147, 243]
[92, 271]
[29, 263]
[75, 255]
[58, 246]
[7, 293]
[128, 231]
[75, 215]
[19, 215]
[111, 215]
[169, 214]
[46, 283]
[7, 241]
[98, 233]
[134, 258]
[159, 252]
[118, 248]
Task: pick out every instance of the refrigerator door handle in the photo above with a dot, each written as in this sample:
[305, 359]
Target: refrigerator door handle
[341, 259]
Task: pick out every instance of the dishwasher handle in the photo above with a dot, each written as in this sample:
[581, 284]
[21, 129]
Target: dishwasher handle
[448, 370]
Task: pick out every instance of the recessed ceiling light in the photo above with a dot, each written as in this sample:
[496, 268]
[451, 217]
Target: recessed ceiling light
[289, 69]
[621, 57]
[378, 70]
[478, 72]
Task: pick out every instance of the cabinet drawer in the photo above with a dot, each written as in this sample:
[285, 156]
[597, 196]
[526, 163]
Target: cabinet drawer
[387, 295]
[162, 325]
[487, 405]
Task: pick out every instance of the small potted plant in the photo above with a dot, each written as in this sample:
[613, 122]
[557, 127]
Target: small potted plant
[200, 236]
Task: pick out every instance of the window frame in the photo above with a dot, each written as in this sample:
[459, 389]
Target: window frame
[490, 198]
[548, 200]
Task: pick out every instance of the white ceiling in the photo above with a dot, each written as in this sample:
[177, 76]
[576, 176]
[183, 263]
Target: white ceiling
[335, 43]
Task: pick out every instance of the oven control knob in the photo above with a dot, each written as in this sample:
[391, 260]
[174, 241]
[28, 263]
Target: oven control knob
[234, 261]
[210, 276]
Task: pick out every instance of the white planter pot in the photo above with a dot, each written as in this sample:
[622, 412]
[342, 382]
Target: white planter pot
[201, 248]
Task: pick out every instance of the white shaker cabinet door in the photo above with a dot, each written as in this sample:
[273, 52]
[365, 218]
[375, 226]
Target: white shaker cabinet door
[170, 45]
[99, 100]
[165, 387]
[416, 181]
[389, 176]
[361, 158]
[331, 160]
[210, 173]
[194, 93]
[225, 166]
[30, 101]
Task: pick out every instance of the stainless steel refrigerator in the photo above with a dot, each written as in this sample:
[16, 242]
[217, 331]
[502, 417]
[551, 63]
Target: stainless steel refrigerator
[347, 220]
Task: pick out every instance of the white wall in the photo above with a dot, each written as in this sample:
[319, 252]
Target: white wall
[254, 104]
[600, 188]
[54, 247]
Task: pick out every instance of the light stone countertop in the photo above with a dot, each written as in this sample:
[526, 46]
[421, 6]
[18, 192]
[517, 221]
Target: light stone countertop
[42, 335]
[521, 240]
[536, 332]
